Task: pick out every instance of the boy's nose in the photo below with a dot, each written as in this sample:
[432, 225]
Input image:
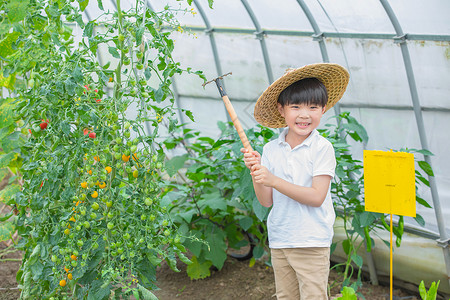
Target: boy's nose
[304, 113]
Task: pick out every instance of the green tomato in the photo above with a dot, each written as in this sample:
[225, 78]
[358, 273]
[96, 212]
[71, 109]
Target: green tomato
[139, 66]
[74, 263]
[117, 155]
[143, 217]
[110, 225]
[95, 245]
[95, 206]
[133, 149]
[121, 38]
[54, 258]
[127, 125]
[139, 55]
[86, 224]
[108, 204]
[165, 223]
[167, 232]
[126, 61]
[93, 216]
[148, 201]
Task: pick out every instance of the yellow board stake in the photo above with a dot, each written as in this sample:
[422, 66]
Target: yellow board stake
[389, 185]
[390, 263]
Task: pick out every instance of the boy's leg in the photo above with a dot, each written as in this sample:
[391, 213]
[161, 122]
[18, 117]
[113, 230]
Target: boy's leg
[312, 266]
[286, 281]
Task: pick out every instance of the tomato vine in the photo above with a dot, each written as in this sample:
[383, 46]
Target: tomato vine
[89, 214]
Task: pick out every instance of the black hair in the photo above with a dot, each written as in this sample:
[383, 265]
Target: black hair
[305, 91]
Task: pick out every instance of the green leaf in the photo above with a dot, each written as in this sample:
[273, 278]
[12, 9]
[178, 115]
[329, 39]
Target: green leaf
[198, 270]
[217, 253]
[348, 293]
[8, 192]
[422, 290]
[7, 112]
[83, 4]
[7, 159]
[366, 218]
[100, 4]
[422, 202]
[357, 260]
[419, 219]
[6, 229]
[258, 252]
[261, 212]
[17, 10]
[139, 35]
[8, 82]
[146, 294]
[426, 167]
[432, 291]
[113, 51]
[213, 200]
[88, 29]
[210, 3]
[246, 222]
[189, 115]
[6, 48]
[100, 290]
[176, 163]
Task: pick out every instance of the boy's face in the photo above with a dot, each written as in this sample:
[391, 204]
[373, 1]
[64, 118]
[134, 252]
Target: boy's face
[302, 119]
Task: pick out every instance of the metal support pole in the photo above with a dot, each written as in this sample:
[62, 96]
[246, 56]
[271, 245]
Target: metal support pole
[401, 39]
[210, 32]
[260, 36]
[319, 37]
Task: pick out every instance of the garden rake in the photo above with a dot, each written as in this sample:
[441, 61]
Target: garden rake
[231, 111]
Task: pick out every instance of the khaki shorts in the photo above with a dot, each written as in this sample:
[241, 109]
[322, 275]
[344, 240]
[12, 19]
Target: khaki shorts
[301, 273]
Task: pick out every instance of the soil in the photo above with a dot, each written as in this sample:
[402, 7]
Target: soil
[236, 280]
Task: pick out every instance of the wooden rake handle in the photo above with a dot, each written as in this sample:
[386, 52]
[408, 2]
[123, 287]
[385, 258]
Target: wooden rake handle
[233, 116]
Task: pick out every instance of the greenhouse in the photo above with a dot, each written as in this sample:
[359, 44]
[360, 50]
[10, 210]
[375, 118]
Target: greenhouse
[118, 153]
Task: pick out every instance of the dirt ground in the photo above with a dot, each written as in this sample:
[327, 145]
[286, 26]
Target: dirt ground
[235, 281]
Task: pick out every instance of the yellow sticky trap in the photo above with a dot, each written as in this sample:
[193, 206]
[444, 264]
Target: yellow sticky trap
[389, 182]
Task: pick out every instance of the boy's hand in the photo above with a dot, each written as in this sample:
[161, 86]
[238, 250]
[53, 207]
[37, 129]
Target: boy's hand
[251, 158]
[262, 175]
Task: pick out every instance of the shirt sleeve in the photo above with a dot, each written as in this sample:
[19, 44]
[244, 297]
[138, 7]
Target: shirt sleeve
[325, 161]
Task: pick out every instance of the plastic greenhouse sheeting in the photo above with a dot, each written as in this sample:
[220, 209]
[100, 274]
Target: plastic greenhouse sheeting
[358, 35]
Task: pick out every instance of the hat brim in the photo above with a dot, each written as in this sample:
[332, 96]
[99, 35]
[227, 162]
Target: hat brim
[333, 76]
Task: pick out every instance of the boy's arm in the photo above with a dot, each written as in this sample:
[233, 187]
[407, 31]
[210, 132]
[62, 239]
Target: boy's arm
[312, 196]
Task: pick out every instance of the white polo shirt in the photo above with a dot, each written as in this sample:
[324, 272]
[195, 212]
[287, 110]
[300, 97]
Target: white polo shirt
[290, 223]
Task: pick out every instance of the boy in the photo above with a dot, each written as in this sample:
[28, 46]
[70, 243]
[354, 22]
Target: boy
[293, 176]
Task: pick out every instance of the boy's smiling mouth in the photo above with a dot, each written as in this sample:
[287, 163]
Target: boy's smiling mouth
[302, 124]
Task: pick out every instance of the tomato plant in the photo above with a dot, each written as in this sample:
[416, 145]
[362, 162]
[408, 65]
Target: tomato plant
[86, 224]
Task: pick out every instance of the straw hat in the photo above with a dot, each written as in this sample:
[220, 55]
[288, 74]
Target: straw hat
[333, 76]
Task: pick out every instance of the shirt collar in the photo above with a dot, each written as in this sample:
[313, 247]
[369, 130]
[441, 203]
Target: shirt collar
[307, 142]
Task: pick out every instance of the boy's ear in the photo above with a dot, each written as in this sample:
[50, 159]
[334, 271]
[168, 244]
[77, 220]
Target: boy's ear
[280, 109]
[323, 109]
